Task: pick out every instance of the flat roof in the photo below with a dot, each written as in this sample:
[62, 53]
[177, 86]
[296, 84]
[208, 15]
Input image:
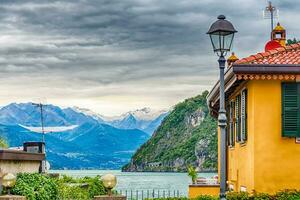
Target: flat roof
[7, 154]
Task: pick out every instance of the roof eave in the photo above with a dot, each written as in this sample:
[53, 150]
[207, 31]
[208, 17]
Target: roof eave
[236, 69]
[213, 95]
[266, 68]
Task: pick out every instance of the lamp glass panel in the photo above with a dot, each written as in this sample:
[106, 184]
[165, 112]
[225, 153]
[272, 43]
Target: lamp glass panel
[215, 40]
[227, 42]
[221, 41]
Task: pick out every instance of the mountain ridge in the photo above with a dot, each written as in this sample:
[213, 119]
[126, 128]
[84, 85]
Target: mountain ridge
[187, 136]
[98, 144]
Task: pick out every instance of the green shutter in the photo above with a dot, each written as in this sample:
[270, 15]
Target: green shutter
[231, 123]
[238, 118]
[290, 110]
[228, 125]
[244, 116]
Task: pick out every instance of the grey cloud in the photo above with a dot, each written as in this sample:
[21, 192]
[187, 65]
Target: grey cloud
[94, 48]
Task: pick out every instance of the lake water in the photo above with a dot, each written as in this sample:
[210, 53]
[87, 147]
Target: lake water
[161, 183]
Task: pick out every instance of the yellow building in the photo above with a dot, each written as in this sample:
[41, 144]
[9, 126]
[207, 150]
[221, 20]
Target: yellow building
[263, 112]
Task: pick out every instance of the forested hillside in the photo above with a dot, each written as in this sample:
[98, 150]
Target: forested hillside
[187, 136]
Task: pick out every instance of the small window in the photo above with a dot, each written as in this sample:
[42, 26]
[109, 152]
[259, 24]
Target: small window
[243, 189]
[278, 36]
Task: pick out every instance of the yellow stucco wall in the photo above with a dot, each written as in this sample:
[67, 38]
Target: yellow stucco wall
[195, 191]
[277, 159]
[267, 162]
[240, 171]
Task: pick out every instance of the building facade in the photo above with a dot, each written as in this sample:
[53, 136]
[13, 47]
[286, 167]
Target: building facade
[263, 114]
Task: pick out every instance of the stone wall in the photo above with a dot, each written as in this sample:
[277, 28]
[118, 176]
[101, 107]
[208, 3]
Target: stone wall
[17, 166]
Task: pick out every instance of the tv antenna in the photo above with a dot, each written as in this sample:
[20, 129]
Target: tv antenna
[271, 12]
[41, 106]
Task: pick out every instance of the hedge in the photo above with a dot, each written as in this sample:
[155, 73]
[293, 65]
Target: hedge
[42, 187]
[281, 195]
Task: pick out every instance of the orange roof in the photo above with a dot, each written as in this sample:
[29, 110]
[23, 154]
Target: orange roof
[281, 55]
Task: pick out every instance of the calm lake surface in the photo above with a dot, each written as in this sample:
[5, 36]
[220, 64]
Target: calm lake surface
[142, 180]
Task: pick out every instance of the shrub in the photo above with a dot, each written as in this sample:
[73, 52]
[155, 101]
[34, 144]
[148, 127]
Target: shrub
[261, 196]
[206, 197]
[288, 195]
[170, 198]
[81, 188]
[35, 187]
[237, 196]
[42, 187]
[67, 192]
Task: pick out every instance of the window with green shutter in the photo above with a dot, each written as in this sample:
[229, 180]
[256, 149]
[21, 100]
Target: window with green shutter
[227, 125]
[238, 118]
[290, 109]
[231, 123]
[244, 116]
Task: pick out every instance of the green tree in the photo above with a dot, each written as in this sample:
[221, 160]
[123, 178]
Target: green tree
[192, 173]
[292, 41]
[3, 143]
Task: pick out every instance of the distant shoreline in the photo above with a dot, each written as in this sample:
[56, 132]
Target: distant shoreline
[120, 170]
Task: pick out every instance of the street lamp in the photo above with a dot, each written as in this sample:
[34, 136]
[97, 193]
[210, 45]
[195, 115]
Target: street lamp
[109, 182]
[9, 181]
[221, 34]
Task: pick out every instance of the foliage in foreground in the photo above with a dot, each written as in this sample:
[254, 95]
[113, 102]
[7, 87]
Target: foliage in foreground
[81, 189]
[282, 195]
[42, 187]
[3, 143]
[36, 187]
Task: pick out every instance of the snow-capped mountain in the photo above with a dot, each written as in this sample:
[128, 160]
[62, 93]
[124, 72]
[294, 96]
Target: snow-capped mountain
[27, 114]
[89, 112]
[144, 119]
[144, 114]
[70, 132]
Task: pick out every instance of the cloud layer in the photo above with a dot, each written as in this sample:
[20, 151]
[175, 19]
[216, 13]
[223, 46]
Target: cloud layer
[116, 55]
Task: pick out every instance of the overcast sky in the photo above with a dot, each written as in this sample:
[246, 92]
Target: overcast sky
[117, 55]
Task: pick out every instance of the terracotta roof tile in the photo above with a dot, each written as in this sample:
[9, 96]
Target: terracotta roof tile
[282, 55]
[257, 56]
[281, 49]
[289, 47]
[273, 51]
[295, 45]
[264, 54]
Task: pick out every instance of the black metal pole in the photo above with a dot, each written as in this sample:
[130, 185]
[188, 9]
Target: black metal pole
[222, 125]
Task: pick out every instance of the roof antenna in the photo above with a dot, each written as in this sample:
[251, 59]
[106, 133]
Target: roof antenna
[41, 107]
[271, 12]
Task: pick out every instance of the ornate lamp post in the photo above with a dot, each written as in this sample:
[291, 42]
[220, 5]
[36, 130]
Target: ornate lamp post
[221, 34]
